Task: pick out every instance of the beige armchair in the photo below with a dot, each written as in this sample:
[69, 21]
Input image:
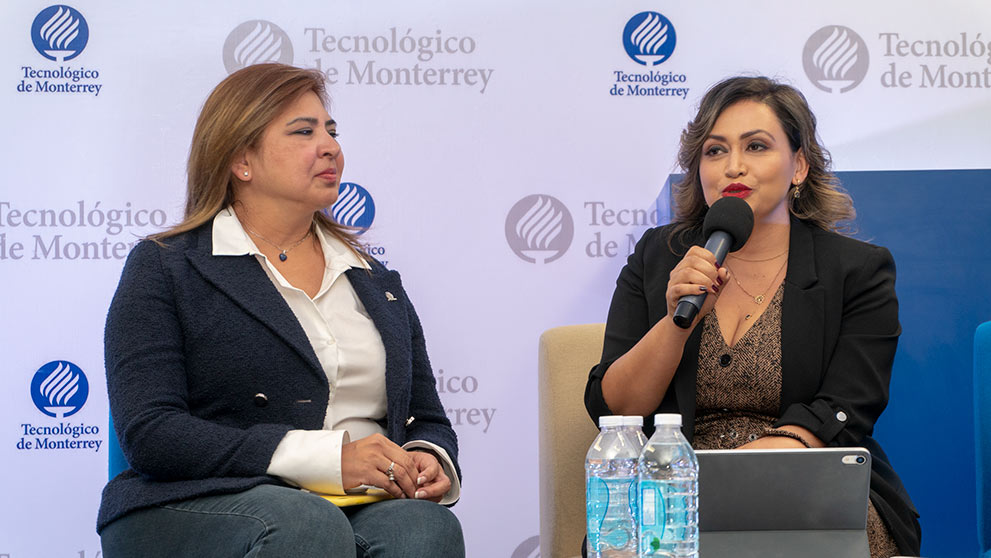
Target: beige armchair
[566, 355]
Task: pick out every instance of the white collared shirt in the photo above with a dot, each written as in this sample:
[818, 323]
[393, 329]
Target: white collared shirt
[350, 350]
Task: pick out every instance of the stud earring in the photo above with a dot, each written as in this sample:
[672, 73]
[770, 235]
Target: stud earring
[245, 174]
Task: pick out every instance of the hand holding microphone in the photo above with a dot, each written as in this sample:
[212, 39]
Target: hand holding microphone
[727, 226]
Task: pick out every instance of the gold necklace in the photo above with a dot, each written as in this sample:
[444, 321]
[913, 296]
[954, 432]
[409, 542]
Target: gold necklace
[759, 298]
[763, 260]
[283, 251]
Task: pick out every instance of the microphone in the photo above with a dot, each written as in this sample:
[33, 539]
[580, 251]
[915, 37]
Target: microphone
[727, 225]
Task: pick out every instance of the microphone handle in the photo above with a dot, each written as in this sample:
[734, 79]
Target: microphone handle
[719, 244]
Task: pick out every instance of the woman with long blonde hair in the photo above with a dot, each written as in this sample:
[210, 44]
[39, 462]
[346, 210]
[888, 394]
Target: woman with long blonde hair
[256, 356]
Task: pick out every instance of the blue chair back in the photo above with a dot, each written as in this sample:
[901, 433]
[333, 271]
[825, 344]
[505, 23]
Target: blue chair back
[982, 430]
[118, 462]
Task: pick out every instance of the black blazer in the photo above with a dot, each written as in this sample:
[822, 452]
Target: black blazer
[192, 338]
[839, 331]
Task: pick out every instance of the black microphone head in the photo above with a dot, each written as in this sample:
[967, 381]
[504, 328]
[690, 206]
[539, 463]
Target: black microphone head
[730, 215]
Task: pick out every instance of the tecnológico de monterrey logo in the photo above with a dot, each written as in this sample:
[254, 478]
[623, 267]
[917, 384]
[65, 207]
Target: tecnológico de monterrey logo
[539, 228]
[59, 389]
[649, 38]
[59, 32]
[354, 207]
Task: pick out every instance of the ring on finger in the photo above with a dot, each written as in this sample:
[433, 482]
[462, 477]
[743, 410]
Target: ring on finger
[389, 471]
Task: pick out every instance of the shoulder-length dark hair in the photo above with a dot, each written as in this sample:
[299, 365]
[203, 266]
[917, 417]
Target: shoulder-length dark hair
[822, 200]
[233, 120]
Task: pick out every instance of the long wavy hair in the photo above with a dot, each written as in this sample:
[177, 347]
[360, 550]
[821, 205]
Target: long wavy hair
[822, 202]
[233, 120]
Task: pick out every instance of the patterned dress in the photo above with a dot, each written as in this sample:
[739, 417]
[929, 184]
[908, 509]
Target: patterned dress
[738, 396]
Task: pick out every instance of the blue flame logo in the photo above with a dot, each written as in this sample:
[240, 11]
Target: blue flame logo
[354, 207]
[649, 38]
[59, 389]
[60, 32]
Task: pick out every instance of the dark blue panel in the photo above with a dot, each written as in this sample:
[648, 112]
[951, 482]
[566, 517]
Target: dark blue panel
[937, 225]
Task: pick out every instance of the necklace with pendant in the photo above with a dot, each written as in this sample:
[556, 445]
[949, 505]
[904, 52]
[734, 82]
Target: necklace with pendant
[283, 252]
[758, 299]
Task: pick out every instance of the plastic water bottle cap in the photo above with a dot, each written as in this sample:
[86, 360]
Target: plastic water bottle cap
[630, 420]
[667, 419]
[610, 420]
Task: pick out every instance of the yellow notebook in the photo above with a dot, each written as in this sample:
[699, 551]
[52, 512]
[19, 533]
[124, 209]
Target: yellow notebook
[366, 497]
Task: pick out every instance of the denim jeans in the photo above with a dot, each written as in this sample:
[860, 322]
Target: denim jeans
[277, 522]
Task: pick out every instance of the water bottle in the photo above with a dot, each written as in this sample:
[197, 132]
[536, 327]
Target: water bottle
[610, 491]
[668, 493]
[634, 426]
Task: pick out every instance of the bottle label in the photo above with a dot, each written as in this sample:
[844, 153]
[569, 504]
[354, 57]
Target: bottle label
[669, 516]
[648, 505]
[611, 516]
[596, 504]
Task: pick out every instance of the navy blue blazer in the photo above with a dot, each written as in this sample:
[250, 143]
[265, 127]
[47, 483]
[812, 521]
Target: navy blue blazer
[839, 332]
[191, 341]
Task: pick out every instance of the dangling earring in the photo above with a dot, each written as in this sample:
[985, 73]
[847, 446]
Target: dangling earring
[797, 193]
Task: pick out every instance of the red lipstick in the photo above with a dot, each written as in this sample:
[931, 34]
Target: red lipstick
[736, 190]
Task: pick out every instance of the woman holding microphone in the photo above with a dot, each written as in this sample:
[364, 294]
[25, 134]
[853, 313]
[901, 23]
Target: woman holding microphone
[794, 344]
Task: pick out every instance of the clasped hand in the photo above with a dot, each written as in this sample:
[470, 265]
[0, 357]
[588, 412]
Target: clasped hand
[417, 473]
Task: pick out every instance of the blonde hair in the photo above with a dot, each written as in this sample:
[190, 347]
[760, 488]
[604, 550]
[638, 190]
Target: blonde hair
[822, 200]
[233, 120]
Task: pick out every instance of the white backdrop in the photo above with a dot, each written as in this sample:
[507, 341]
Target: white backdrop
[88, 172]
